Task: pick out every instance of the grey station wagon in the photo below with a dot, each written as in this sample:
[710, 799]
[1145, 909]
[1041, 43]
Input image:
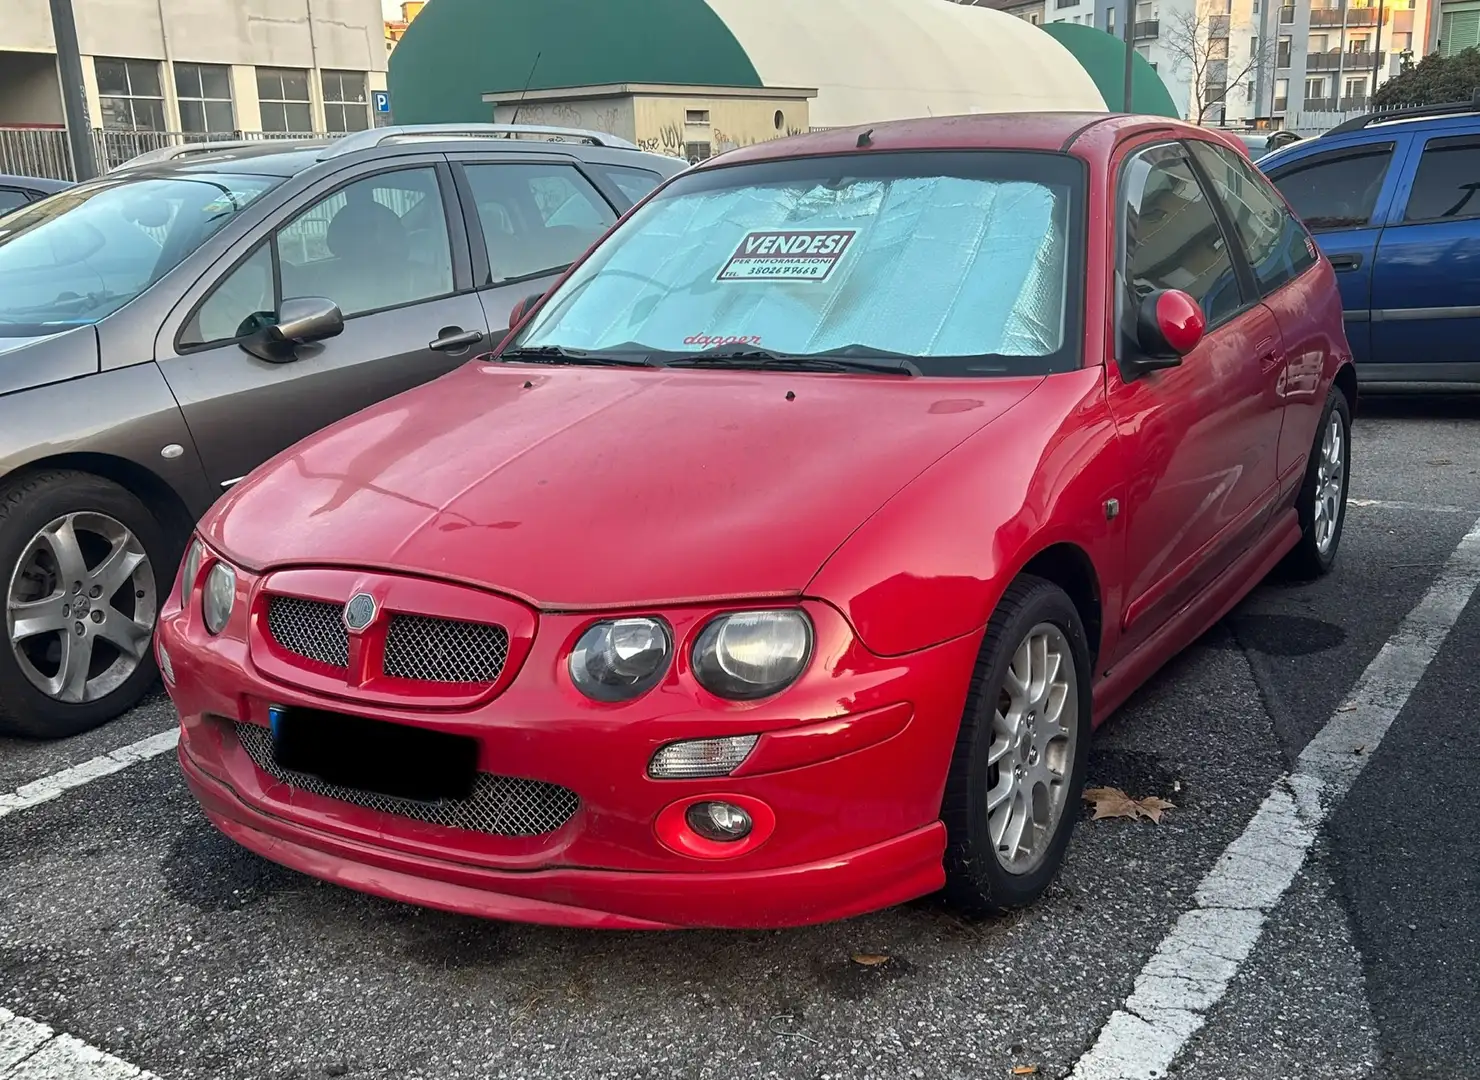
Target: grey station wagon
[168, 327]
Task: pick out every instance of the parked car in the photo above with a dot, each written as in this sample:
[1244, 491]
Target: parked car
[1392, 200]
[778, 566]
[1262, 143]
[18, 191]
[170, 326]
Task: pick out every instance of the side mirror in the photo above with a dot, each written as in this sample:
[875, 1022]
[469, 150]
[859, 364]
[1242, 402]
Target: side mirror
[302, 321]
[1169, 325]
[516, 315]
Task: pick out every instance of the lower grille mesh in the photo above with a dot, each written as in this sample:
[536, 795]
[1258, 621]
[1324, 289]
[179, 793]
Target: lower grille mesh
[499, 806]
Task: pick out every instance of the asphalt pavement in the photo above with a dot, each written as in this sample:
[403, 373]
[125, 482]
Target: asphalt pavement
[128, 922]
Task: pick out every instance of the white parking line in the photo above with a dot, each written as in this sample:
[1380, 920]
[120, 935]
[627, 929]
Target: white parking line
[1192, 967]
[49, 787]
[1410, 507]
[32, 1051]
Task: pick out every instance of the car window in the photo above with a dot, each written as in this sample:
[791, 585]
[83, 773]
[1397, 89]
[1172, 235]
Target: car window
[1172, 238]
[1337, 190]
[241, 304]
[633, 183]
[80, 255]
[535, 219]
[10, 198]
[1446, 184]
[1275, 243]
[377, 243]
[968, 264]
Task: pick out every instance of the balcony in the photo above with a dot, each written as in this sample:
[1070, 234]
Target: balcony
[1280, 105]
[1339, 61]
[1149, 29]
[1320, 104]
[1354, 16]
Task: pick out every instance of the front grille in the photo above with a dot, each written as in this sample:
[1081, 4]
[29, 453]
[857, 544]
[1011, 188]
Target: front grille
[310, 628]
[499, 806]
[445, 650]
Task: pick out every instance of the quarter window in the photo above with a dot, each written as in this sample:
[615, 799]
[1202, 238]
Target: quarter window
[10, 199]
[1172, 238]
[1337, 190]
[633, 183]
[1276, 245]
[1447, 182]
[535, 219]
[244, 302]
[283, 96]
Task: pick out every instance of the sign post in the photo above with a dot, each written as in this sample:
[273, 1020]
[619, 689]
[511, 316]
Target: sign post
[380, 101]
[1130, 53]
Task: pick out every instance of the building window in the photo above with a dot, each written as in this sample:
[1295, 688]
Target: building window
[204, 91]
[1281, 95]
[1315, 89]
[1109, 20]
[697, 151]
[346, 106]
[283, 95]
[129, 94]
[696, 116]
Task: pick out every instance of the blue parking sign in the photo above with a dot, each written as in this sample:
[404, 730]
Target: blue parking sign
[381, 100]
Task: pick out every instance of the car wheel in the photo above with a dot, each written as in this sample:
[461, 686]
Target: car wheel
[1013, 792]
[1321, 504]
[80, 564]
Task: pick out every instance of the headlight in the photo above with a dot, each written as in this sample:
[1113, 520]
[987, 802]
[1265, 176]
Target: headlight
[220, 597]
[192, 568]
[752, 654]
[618, 660]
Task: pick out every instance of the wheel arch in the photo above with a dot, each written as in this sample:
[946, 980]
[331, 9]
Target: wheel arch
[1346, 382]
[1070, 567]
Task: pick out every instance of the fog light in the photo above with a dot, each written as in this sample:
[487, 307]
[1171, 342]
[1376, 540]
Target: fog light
[694, 758]
[720, 821]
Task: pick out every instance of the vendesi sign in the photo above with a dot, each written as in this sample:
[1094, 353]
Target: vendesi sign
[787, 255]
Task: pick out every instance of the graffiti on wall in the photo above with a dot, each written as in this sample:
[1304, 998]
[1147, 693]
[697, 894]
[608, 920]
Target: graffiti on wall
[594, 116]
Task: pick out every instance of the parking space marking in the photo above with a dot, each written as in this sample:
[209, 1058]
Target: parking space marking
[1409, 507]
[32, 1051]
[50, 787]
[1191, 969]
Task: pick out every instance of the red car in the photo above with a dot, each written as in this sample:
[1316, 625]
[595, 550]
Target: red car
[779, 566]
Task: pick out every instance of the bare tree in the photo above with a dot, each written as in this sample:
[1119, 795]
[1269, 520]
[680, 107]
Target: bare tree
[1198, 43]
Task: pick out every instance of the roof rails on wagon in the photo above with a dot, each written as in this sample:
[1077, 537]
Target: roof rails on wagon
[1420, 112]
[368, 140]
[183, 150]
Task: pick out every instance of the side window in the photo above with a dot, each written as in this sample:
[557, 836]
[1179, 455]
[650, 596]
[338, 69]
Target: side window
[243, 302]
[1337, 190]
[1447, 182]
[633, 183]
[11, 199]
[378, 243]
[1172, 238]
[1274, 242]
[535, 219]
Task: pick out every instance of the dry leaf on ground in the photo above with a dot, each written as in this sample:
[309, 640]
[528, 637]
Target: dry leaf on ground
[1025, 1070]
[1111, 802]
[870, 959]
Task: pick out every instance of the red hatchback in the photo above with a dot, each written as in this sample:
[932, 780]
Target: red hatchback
[779, 566]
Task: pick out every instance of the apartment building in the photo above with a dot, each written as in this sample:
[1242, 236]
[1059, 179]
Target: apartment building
[199, 67]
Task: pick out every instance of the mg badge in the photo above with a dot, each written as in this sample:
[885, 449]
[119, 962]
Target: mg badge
[359, 612]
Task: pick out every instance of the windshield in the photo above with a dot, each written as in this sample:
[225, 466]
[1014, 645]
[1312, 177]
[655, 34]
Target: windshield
[83, 253]
[965, 263]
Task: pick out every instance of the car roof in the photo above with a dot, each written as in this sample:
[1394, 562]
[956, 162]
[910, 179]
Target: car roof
[1044, 131]
[289, 157]
[35, 183]
[1457, 118]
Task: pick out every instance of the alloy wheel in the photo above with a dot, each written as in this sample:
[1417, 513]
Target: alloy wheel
[1330, 475]
[80, 607]
[1034, 729]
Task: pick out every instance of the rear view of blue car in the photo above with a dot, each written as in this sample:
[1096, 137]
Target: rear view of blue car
[1394, 201]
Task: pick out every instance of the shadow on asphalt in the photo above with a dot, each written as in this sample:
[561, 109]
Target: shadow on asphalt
[1425, 403]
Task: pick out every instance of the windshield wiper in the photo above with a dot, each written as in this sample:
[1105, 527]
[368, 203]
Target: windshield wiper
[558, 354]
[851, 358]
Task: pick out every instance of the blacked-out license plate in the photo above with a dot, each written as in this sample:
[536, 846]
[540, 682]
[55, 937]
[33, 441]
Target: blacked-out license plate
[396, 760]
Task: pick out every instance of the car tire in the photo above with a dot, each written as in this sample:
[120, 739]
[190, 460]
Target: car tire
[1043, 732]
[98, 680]
[1321, 504]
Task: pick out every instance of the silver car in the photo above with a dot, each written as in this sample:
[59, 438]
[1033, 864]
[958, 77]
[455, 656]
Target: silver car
[168, 327]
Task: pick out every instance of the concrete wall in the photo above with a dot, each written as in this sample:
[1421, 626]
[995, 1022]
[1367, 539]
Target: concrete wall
[662, 122]
[614, 115]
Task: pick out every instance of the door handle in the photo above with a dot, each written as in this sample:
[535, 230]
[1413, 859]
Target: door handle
[1269, 354]
[1346, 262]
[455, 339]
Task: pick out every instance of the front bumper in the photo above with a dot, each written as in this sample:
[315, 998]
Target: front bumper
[856, 799]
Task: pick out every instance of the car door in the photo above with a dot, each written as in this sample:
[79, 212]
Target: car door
[1202, 435]
[387, 245]
[1343, 197]
[1292, 284]
[529, 218]
[1426, 277]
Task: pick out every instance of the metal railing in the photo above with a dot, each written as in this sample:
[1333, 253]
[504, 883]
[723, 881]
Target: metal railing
[1148, 28]
[1355, 62]
[1354, 16]
[33, 151]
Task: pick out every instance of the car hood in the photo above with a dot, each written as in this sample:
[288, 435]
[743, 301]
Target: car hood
[605, 487]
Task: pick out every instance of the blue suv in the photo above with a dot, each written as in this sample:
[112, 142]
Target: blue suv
[1394, 201]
